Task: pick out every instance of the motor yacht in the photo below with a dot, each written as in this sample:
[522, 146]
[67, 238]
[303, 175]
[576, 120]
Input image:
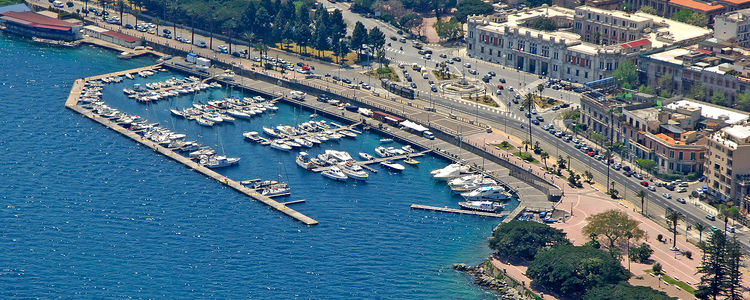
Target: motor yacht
[485, 206]
[335, 173]
[492, 193]
[392, 166]
[354, 171]
[279, 145]
[366, 156]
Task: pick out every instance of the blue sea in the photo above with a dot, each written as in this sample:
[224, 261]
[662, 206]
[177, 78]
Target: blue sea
[88, 213]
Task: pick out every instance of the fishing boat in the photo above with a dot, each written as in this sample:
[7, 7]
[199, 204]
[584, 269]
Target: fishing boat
[279, 145]
[485, 206]
[354, 171]
[492, 193]
[335, 173]
[366, 156]
[392, 166]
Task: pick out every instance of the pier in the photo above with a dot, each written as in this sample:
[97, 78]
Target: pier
[460, 211]
[365, 163]
[72, 103]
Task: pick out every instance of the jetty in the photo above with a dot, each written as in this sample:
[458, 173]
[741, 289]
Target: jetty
[72, 104]
[365, 163]
[312, 133]
[460, 211]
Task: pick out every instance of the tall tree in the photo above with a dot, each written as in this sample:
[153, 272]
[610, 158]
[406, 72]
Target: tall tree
[519, 241]
[727, 212]
[626, 75]
[613, 225]
[359, 37]
[712, 267]
[673, 217]
[732, 263]
[376, 38]
[641, 194]
[700, 228]
[743, 101]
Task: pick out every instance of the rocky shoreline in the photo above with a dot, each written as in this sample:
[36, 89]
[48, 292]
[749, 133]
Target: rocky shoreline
[489, 279]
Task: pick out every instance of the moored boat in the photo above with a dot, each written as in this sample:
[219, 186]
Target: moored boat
[485, 206]
[392, 166]
[335, 173]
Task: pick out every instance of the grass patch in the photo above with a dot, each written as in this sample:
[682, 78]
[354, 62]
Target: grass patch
[486, 100]
[504, 145]
[384, 72]
[544, 102]
[9, 2]
[683, 285]
[526, 156]
[443, 76]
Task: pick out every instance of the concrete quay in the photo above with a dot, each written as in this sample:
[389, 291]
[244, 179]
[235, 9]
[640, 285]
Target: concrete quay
[72, 103]
[460, 211]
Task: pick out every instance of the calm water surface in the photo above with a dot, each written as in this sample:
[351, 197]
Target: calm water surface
[87, 212]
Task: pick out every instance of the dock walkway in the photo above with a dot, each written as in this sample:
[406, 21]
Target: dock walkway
[460, 211]
[72, 103]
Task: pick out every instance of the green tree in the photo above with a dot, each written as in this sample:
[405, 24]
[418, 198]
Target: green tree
[410, 20]
[719, 99]
[646, 89]
[641, 253]
[544, 156]
[472, 7]
[728, 212]
[648, 9]
[571, 114]
[376, 38]
[449, 30]
[588, 175]
[712, 268]
[573, 270]
[698, 92]
[359, 37]
[613, 225]
[732, 263]
[673, 217]
[625, 291]
[645, 164]
[626, 75]
[537, 3]
[543, 23]
[700, 228]
[743, 101]
[690, 17]
[641, 194]
[519, 241]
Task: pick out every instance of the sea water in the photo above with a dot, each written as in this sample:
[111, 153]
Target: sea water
[87, 212]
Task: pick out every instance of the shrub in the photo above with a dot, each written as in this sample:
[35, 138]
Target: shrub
[689, 254]
[641, 253]
[659, 237]
[656, 268]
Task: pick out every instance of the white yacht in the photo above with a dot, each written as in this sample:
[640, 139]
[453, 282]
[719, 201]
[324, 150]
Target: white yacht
[279, 145]
[335, 174]
[238, 114]
[176, 113]
[392, 166]
[219, 161]
[204, 122]
[366, 156]
[382, 151]
[492, 193]
[453, 172]
[303, 142]
[485, 206]
[463, 180]
[482, 182]
[354, 171]
[304, 160]
[272, 132]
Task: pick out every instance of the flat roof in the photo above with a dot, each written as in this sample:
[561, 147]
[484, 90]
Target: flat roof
[696, 5]
[616, 13]
[37, 20]
[741, 132]
[737, 1]
[670, 56]
[648, 113]
[678, 30]
[637, 43]
[121, 36]
[712, 112]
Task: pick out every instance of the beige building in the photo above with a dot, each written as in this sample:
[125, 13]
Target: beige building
[727, 166]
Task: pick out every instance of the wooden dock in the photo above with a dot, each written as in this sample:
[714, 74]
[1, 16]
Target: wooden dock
[72, 103]
[459, 211]
[365, 163]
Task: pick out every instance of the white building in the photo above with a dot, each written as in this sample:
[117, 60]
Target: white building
[734, 25]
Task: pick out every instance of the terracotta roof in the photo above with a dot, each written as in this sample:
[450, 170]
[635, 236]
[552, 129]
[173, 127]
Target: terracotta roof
[37, 20]
[668, 139]
[697, 5]
[637, 43]
[121, 36]
[736, 1]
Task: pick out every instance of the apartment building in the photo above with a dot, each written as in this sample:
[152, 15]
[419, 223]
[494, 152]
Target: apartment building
[727, 168]
[733, 26]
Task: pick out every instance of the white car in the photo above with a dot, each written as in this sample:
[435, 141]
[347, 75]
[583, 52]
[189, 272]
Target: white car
[667, 195]
[652, 188]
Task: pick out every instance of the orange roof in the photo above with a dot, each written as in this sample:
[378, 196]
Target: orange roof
[698, 5]
[668, 139]
[737, 1]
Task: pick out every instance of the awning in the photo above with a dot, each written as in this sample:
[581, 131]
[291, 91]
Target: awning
[414, 126]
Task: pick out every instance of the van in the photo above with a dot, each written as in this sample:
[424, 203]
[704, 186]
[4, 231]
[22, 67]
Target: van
[428, 134]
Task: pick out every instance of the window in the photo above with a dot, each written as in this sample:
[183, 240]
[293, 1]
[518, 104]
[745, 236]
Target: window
[481, 49]
[510, 56]
[578, 73]
[499, 54]
[692, 155]
[671, 153]
[510, 44]
[554, 68]
[568, 70]
[469, 46]
[586, 75]
[680, 156]
[490, 51]
[471, 34]
[554, 55]
[532, 47]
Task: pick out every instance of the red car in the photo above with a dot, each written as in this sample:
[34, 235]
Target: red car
[500, 87]
[591, 153]
[644, 183]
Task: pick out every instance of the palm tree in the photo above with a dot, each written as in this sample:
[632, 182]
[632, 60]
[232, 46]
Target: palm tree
[628, 236]
[249, 36]
[673, 216]
[261, 47]
[121, 3]
[544, 156]
[728, 212]
[641, 194]
[700, 228]
[530, 103]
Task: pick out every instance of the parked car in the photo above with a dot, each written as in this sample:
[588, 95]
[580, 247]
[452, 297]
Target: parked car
[644, 183]
[681, 190]
[652, 188]
[667, 195]
[457, 59]
[681, 200]
[637, 175]
[711, 217]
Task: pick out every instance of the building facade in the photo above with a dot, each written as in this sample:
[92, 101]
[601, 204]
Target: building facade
[727, 168]
[31, 24]
[734, 26]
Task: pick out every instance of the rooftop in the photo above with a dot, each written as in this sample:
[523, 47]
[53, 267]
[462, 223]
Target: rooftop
[648, 113]
[121, 36]
[739, 132]
[615, 13]
[696, 5]
[668, 139]
[712, 112]
[36, 20]
[737, 2]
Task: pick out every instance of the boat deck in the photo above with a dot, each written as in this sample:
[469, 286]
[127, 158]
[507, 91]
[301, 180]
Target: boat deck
[365, 163]
[460, 211]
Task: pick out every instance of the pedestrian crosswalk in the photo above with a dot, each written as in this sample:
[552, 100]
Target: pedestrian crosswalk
[394, 50]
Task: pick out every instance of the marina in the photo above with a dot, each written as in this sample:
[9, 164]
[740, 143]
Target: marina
[460, 211]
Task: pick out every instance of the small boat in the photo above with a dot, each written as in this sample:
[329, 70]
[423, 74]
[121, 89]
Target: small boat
[313, 116]
[272, 132]
[408, 149]
[213, 118]
[411, 161]
[366, 156]
[354, 171]
[386, 140]
[303, 160]
[348, 133]
[392, 166]
[492, 193]
[382, 151]
[292, 144]
[335, 173]
[253, 136]
[259, 99]
[312, 140]
[129, 76]
[276, 190]
[238, 114]
[279, 145]
[219, 161]
[176, 113]
[204, 122]
[485, 206]
[303, 142]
